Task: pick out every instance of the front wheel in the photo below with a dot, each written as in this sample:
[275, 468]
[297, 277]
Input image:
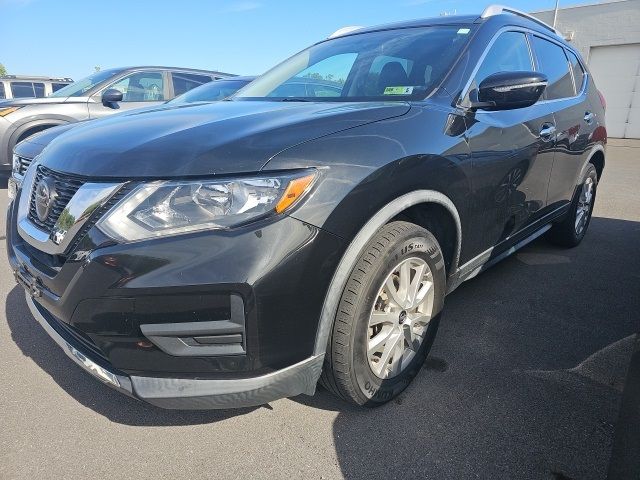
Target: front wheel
[571, 231]
[387, 317]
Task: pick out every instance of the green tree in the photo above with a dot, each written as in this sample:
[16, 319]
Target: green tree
[3, 71]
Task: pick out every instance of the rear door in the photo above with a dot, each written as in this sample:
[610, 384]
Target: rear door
[574, 118]
[512, 149]
[139, 89]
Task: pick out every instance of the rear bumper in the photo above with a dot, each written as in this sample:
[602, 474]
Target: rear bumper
[191, 394]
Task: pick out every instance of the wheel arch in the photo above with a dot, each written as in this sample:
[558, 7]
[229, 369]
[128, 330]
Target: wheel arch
[37, 124]
[397, 208]
[596, 158]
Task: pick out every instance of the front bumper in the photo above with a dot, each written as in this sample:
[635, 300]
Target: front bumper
[205, 320]
[182, 393]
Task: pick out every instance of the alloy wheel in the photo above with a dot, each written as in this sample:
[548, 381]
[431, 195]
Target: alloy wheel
[400, 316]
[585, 203]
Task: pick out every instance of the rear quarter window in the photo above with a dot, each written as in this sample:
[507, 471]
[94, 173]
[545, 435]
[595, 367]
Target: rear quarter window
[183, 82]
[3, 95]
[578, 72]
[57, 86]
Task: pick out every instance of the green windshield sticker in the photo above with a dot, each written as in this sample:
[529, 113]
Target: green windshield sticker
[464, 31]
[398, 90]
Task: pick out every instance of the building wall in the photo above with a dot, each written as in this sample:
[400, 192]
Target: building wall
[613, 23]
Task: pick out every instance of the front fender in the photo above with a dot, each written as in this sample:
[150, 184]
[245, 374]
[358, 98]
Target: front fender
[365, 168]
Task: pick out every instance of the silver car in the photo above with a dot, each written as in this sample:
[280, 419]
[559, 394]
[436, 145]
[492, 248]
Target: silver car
[98, 95]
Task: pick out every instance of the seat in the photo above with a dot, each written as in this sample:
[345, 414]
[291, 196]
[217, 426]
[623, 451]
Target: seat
[135, 91]
[392, 75]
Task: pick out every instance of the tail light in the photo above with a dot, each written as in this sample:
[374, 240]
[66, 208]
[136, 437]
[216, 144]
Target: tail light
[602, 100]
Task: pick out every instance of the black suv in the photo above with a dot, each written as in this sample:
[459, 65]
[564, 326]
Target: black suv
[228, 254]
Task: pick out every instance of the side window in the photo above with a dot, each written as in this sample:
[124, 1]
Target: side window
[22, 90]
[141, 87]
[554, 64]
[509, 53]
[39, 89]
[57, 86]
[322, 90]
[183, 82]
[2, 93]
[333, 70]
[578, 72]
[290, 89]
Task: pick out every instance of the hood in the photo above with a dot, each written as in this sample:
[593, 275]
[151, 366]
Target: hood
[203, 139]
[19, 102]
[44, 137]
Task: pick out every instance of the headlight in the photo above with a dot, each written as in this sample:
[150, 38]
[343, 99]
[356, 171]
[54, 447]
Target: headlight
[172, 207]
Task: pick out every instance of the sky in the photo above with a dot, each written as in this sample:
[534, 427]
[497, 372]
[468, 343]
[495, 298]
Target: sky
[69, 38]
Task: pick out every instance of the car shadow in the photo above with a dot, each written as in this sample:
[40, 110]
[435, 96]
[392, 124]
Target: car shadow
[522, 381]
[34, 343]
[525, 376]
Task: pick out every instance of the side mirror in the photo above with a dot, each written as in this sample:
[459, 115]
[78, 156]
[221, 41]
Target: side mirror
[111, 97]
[510, 90]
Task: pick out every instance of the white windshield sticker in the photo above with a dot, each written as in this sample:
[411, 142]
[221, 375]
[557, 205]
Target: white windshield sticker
[463, 31]
[398, 90]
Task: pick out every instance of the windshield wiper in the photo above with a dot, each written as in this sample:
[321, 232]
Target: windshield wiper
[295, 99]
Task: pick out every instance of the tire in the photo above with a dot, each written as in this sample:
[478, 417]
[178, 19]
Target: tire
[348, 370]
[569, 233]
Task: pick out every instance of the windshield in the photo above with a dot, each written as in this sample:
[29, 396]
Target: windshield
[399, 64]
[210, 92]
[79, 88]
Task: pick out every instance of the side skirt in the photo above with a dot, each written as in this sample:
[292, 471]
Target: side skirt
[490, 257]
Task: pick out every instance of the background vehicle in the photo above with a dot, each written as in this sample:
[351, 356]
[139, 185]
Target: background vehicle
[27, 86]
[25, 151]
[225, 254]
[104, 93]
[212, 92]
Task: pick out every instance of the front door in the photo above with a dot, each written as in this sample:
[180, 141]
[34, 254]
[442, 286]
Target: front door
[139, 89]
[512, 150]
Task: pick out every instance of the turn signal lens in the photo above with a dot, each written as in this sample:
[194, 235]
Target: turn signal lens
[6, 111]
[296, 189]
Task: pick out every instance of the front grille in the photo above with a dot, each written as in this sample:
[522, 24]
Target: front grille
[20, 168]
[65, 187]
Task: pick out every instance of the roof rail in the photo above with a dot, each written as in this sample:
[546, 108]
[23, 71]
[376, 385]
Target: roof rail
[492, 10]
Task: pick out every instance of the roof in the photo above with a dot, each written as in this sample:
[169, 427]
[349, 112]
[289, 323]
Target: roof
[244, 78]
[509, 15]
[423, 22]
[160, 67]
[35, 77]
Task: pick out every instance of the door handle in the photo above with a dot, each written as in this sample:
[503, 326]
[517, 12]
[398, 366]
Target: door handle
[588, 117]
[547, 132]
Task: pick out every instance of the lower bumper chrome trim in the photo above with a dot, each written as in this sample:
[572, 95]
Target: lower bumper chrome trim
[119, 382]
[197, 394]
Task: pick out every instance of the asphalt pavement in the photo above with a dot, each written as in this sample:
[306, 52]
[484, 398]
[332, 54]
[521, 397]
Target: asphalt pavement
[525, 380]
